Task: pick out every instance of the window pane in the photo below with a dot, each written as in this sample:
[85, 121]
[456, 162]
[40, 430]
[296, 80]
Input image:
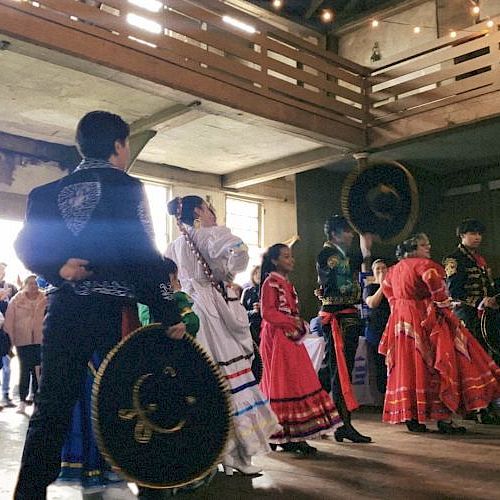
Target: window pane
[243, 218]
[157, 198]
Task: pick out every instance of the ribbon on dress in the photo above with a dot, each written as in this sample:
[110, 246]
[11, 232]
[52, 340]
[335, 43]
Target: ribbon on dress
[338, 342]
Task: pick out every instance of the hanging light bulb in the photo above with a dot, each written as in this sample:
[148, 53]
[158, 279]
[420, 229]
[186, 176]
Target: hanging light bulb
[490, 24]
[326, 15]
[375, 23]
[476, 10]
[277, 4]
[417, 30]
[453, 34]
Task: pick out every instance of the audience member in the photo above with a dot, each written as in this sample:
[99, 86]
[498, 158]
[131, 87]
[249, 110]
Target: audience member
[23, 323]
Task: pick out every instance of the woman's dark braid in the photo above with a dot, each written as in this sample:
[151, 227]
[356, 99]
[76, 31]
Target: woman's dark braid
[201, 260]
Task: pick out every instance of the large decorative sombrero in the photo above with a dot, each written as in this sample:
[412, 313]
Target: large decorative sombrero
[161, 409]
[490, 329]
[381, 198]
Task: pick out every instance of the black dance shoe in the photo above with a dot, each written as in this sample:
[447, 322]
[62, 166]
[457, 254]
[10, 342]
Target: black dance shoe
[350, 433]
[289, 447]
[450, 428]
[414, 426]
[305, 449]
[488, 417]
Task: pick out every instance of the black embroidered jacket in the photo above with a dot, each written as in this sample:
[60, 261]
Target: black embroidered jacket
[338, 287]
[467, 281]
[100, 214]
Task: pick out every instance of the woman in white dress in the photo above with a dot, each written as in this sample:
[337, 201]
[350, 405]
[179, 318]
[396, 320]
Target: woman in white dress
[208, 256]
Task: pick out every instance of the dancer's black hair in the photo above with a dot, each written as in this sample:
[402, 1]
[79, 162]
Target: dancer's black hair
[335, 224]
[267, 266]
[189, 203]
[408, 247]
[470, 226]
[97, 132]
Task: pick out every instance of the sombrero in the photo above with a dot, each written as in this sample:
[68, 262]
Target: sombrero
[381, 198]
[160, 409]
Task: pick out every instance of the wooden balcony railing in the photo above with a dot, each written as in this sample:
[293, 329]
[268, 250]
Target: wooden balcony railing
[444, 72]
[336, 97]
[194, 35]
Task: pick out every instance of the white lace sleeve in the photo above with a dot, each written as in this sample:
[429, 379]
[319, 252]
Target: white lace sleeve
[226, 251]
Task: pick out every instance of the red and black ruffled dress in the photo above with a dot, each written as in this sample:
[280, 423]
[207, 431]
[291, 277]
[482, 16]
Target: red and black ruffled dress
[303, 408]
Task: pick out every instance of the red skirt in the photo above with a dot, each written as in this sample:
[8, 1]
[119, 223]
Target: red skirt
[303, 407]
[435, 366]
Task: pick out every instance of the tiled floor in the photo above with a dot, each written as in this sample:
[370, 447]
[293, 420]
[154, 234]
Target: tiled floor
[397, 465]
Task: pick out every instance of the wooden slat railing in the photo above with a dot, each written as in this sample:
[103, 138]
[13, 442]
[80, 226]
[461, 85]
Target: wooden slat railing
[442, 73]
[270, 62]
[280, 66]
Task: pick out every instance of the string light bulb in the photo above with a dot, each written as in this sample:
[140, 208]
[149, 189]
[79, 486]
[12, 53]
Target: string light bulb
[490, 24]
[375, 23]
[417, 30]
[453, 34]
[326, 15]
[277, 4]
[476, 10]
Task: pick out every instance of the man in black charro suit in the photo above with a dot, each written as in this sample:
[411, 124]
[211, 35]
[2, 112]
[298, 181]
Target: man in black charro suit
[470, 285]
[340, 293]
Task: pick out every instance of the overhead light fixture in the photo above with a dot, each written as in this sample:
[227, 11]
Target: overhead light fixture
[277, 4]
[143, 42]
[151, 5]
[476, 10]
[326, 15]
[144, 23]
[239, 24]
[490, 24]
[375, 23]
[73, 18]
[453, 34]
[417, 30]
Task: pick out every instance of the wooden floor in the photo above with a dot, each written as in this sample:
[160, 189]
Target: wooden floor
[397, 465]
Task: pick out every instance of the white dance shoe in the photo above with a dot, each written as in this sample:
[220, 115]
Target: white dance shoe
[243, 466]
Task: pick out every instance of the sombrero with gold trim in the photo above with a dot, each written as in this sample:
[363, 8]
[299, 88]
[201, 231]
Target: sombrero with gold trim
[160, 409]
[381, 198]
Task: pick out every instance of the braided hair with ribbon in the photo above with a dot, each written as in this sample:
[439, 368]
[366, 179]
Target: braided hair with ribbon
[192, 246]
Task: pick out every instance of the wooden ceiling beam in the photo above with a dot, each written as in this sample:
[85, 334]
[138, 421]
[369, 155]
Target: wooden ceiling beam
[282, 167]
[313, 7]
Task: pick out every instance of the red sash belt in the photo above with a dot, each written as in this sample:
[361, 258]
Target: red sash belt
[338, 343]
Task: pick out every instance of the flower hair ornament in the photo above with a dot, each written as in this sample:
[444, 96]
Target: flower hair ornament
[201, 260]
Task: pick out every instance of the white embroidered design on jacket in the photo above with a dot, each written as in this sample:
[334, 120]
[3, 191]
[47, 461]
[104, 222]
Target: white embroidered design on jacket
[166, 291]
[145, 218]
[77, 202]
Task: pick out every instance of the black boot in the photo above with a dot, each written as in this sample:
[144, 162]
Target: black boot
[450, 428]
[350, 433]
[414, 426]
[347, 431]
[486, 416]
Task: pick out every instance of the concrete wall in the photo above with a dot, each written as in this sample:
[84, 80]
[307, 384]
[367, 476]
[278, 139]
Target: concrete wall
[392, 37]
[436, 18]
[489, 8]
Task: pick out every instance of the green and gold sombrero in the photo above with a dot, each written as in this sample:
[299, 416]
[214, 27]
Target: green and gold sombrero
[160, 409]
